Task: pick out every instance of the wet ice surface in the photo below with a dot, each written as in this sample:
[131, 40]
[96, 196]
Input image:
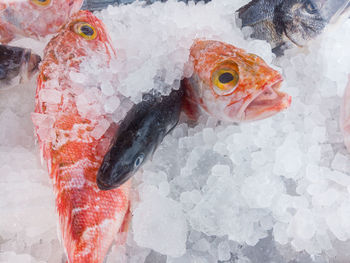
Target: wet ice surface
[276, 190]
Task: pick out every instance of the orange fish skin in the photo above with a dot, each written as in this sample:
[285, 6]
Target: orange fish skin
[32, 18]
[89, 219]
[253, 93]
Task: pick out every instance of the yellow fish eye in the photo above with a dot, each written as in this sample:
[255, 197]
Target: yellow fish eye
[41, 2]
[225, 81]
[85, 30]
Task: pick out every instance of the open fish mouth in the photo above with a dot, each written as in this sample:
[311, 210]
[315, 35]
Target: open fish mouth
[265, 103]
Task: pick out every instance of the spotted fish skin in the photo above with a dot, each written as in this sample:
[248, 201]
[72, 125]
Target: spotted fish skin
[17, 65]
[288, 23]
[89, 219]
[34, 18]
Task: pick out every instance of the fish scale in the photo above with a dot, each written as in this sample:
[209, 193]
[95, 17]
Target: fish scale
[89, 219]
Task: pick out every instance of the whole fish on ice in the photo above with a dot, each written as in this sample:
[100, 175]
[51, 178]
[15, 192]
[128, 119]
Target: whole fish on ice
[89, 219]
[232, 85]
[138, 136]
[288, 23]
[17, 65]
[34, 18]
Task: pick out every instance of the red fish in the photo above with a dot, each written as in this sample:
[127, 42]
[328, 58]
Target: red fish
[89, 219]
[34, 18]
[232, 85]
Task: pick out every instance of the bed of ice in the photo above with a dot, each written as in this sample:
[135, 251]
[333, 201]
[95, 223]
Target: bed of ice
[276, 190]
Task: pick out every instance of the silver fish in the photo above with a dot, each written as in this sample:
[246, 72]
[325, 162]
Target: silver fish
[288, 23]
[17, 65]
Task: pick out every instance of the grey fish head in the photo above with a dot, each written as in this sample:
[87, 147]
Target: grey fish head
[139, 135]
[303, 20]
[288, 23]
[299, 20]
[17, 65]
[128, 152]
[257, 11]
[116, 171]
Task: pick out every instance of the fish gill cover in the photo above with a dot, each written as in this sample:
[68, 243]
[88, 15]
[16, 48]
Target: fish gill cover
[274, 190]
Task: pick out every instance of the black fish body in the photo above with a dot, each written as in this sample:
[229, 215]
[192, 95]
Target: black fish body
[138, 136]
[16, 65]
[287, 23]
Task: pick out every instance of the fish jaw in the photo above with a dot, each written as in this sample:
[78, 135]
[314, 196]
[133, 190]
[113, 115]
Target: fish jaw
[263, 104]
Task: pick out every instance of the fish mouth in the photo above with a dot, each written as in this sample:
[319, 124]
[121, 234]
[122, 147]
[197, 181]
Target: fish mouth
[109, 180]
[265, 103]
[105, 186]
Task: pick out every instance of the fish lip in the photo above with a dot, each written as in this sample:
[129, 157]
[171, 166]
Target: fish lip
[104, 186]
[262, 105]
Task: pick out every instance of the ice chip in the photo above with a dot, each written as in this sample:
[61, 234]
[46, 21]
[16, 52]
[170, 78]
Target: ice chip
[160, 224]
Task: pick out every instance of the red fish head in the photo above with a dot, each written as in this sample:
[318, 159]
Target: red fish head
[34, 18]
[233, 85]
[83, 36]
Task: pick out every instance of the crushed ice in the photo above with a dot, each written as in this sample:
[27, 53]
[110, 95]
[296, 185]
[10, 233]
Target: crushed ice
[274, 190]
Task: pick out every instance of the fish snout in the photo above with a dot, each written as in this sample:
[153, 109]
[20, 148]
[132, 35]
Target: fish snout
[104, 185]
[111, 177]
[262, 104]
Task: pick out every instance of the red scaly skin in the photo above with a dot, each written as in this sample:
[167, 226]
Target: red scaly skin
[29, 18]
[89, 219]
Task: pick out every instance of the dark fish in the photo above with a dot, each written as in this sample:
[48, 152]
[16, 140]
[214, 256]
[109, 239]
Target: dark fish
[97, 5]
[138, 136]
[288, 23]
[16, 65]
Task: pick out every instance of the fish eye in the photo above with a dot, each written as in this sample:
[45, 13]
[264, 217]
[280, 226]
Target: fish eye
[310, 8]
[41, 2]
[85, 30]
[138, 161]
[225, 81]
